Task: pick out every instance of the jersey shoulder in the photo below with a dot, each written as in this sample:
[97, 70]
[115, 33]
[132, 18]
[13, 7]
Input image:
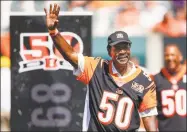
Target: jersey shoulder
[158, 77]
[144, 78]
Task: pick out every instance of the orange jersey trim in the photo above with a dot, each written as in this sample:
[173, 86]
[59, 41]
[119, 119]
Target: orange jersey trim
[149, 99]
[177, 77]
[125, 79]
[89, 68]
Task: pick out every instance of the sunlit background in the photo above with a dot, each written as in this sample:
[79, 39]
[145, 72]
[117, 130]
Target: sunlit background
[150, 25]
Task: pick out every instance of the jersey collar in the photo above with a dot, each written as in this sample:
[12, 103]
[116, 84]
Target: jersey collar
[174, 79]
[114, 71]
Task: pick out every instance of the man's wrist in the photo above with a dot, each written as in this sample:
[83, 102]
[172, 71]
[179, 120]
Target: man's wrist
[53, 32]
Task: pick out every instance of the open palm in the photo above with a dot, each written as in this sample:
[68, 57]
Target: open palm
[52, 16]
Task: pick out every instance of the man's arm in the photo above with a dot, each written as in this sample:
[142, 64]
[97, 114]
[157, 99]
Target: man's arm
[64, 48]
[150, 123]
[148, 106]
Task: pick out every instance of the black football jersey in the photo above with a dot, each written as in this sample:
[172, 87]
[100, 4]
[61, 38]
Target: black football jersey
[110, 106]
[171, 96]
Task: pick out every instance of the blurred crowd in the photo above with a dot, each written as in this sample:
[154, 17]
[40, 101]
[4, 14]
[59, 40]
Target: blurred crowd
[137, 18]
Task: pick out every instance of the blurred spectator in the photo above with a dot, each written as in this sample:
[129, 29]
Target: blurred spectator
[101, 15]
[103, 20]
[181, 20]
[79, 5]
[171, 77]
[104, 4]
[127, 19]
[152, 14]
[26, 4]
[132, 17]
[177, 4]
[63, 5]
[5, 44]
[168, 26]
[23, 6]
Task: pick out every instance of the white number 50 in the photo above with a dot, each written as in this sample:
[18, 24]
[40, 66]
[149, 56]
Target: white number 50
[173, 102]
[123, 111]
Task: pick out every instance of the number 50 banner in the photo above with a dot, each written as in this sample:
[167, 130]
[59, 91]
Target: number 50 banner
[45, 95]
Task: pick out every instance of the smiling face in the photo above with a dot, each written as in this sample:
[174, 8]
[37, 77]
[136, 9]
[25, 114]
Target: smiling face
[172, 57]
[120, 53]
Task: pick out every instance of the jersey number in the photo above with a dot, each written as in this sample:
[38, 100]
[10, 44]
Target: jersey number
[121, 115]
[173, 102]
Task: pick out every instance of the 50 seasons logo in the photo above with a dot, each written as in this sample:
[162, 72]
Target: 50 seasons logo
[38, 52]
[137, 87]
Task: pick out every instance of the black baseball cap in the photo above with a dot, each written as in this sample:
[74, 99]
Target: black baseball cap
[118, 37]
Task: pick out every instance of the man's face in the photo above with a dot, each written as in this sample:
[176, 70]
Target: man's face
[120, 53]
[172, 57]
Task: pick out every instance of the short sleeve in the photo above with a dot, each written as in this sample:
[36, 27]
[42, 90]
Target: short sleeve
[149, 97]
[86, 68]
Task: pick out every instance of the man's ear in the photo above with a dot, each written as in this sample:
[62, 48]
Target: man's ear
[109, 53]
[109, 50]
[181, 58]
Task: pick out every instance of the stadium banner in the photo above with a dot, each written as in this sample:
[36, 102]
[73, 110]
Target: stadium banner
[45, 95]
[179, 41]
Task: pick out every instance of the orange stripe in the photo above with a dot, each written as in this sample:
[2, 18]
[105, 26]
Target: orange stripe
[151, 85]
[177, 77]
[134, 75]
[89, 68]
[149, 99]
[125, 79]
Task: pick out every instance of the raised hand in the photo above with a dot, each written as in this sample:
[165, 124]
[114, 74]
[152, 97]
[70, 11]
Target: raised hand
[52, 16]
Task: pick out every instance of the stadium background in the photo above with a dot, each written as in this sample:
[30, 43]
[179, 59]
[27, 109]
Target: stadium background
[150, 24]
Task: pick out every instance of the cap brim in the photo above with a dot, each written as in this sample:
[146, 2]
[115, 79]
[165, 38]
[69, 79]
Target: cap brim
[117, 42]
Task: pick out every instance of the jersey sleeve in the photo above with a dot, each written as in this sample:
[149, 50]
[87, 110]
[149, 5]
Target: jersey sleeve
[86, 68]
[149, 97]
[149, 112]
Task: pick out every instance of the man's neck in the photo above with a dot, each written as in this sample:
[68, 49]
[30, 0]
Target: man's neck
[173, 72]
[123, 69]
